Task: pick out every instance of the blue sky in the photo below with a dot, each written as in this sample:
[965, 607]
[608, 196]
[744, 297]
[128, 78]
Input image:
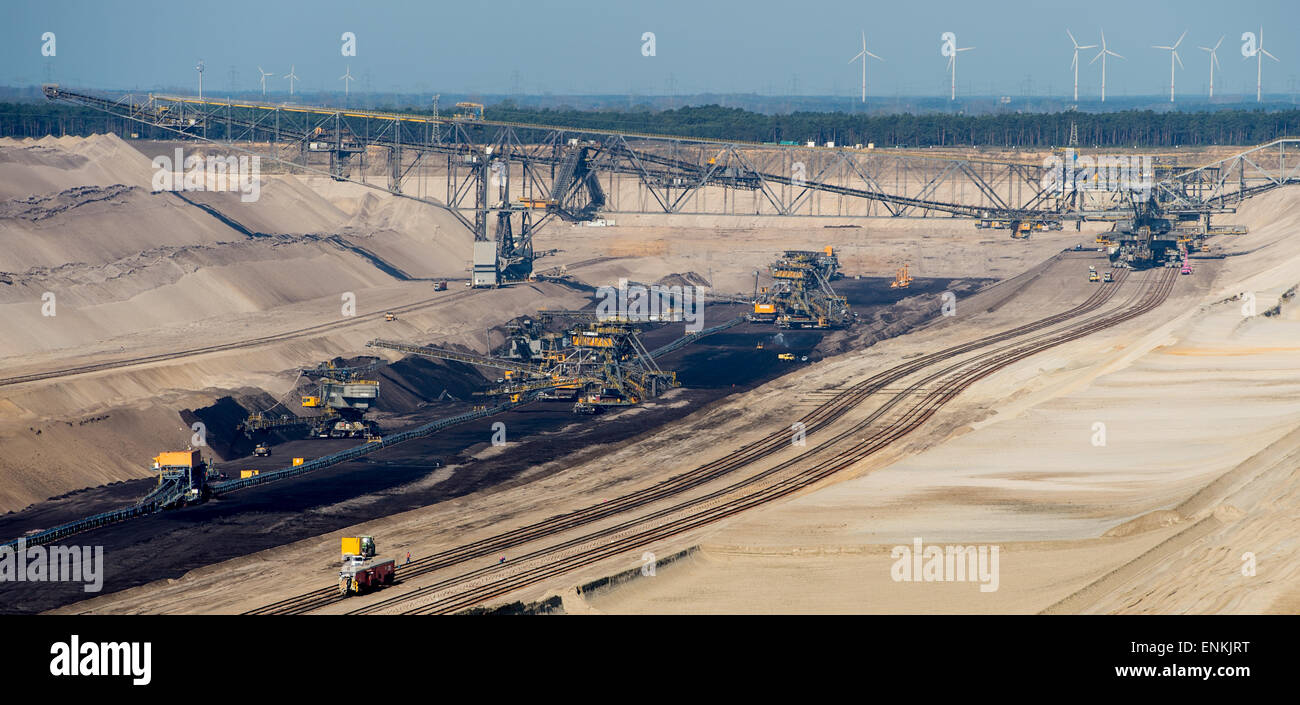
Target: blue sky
[595, 47]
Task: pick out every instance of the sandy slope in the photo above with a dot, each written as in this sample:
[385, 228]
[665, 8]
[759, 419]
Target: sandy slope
[136, 273]
[1199, 402]
[1201, 407]
[601, 474]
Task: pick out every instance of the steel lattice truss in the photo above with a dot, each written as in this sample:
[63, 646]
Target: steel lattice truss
[574, 173]
[1235, 178]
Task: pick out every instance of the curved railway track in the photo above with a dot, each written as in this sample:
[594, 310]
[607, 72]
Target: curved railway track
[728, 501]
[222, 347]
[827, 412]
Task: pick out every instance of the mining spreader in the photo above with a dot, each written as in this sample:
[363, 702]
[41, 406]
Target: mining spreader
[340, 401]
[801, 295]
[598, 364]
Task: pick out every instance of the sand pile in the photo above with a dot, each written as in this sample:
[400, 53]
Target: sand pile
[52, 164]
[135, 273]
[119, 258]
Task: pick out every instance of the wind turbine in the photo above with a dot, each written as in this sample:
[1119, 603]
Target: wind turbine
[1173, 56]
[292, 77]
[1102, 55]
[199, 68]
[1075, 63]
[263, 81]
[1214, 61]
[863, 55]
[952, 66]
[1260, 53]
[347, 80]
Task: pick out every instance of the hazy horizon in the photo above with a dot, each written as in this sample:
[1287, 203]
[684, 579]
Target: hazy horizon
[724, 48]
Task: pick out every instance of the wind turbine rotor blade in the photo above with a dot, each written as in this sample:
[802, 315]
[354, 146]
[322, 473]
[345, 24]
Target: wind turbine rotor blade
[1215, 58]
[1094, 59]
[1072, 40]
[1180, 39]
[1265, 53]
[1180, 61]
[1216, 46]
[1087, 46]
[1117, 56]
[1157, 46]
[967, 49]
[1075, 61]
[855, 57]
[874, 56]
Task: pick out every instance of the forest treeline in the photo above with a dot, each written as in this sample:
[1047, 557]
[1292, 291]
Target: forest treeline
[1131, 128]
[1119, 129]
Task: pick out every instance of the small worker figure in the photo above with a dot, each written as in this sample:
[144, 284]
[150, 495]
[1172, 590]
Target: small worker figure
[503, 560]
[408, 556]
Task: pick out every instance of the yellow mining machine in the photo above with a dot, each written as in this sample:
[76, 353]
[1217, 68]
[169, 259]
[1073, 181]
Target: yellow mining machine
[597, 363]
[801, 295]
[1020, 228]
[342, 397]
[902, 279]
[182, 478]
[618, 368]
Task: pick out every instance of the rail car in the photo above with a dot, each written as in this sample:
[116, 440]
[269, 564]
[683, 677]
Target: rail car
[361, 573]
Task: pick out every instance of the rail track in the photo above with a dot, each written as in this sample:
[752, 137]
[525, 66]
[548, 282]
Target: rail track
[476, 587]
[222, 347]
[818, 418]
